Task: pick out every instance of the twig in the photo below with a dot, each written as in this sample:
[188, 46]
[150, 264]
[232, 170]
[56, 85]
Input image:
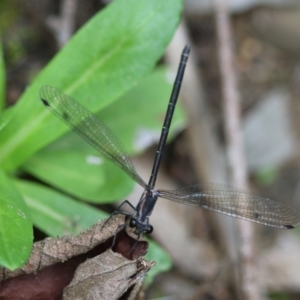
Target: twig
[67, 21]
[247, 280]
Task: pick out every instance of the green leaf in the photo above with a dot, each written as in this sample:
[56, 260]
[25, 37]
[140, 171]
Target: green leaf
[15, 226]
[6, 116]
[57, 214]
[267, 175]
[162, 258]
[278, 296]
[81, 174]
[103, 60]
[2, 80]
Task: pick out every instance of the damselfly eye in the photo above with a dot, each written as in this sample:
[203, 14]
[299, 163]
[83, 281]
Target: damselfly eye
[132, 223]
[149, 229]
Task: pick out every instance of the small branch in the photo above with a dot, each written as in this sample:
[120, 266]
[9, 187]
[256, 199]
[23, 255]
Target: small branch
[67, 21]
[247, 280]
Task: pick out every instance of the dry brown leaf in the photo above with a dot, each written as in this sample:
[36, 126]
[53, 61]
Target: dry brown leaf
[107, 276]
[53, 262]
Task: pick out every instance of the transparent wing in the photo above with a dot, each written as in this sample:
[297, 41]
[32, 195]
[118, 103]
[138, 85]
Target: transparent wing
[88, 127]
[236, 204]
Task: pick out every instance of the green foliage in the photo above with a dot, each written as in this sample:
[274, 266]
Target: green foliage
[162, 259]
[2, 79]
[102, 66]
[57, 214]
[102, 61]
[278, 296]
[266, 176]
[16, 226]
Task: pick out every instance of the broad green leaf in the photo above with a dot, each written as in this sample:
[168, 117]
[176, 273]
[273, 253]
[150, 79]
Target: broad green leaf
[5, 117]
[2, 80]
[81, 174]
[15, 226]
[57, 214]
[136, 123]
[102, 61]
[162, 258]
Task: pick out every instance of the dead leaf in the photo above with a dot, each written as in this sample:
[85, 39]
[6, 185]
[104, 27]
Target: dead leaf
[53, 262]
[107, 276]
